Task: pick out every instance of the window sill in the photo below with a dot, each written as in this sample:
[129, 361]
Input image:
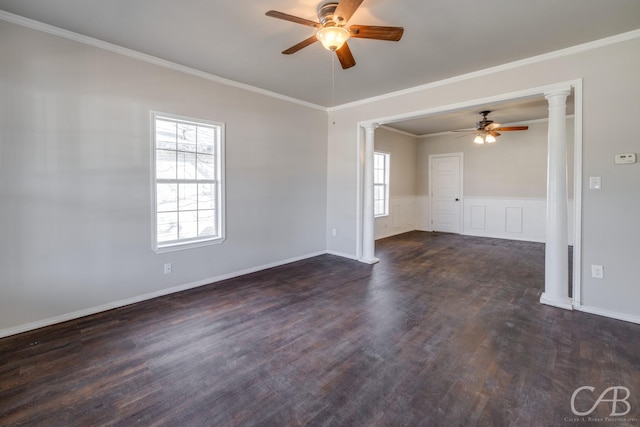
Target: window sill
[188, 245]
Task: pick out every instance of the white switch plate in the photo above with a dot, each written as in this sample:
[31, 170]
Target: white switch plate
[595, 183]
[167, 268]
[597, 271]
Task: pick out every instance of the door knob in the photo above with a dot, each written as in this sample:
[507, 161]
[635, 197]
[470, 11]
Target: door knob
[457, 199]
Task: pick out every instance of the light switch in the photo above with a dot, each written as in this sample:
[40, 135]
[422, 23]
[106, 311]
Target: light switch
[595, 183]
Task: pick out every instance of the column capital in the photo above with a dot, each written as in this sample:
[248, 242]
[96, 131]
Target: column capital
[370, 126]
[558, 92]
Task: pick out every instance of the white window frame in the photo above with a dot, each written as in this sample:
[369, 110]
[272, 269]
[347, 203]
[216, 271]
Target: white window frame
[385, 184]
[218, 185]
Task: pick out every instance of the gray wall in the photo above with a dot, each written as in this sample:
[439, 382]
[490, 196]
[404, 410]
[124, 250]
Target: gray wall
[514, 166]
[75, 150]
[402, 171]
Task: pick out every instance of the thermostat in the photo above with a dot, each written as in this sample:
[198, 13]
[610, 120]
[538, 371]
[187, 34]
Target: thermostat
[625, 158]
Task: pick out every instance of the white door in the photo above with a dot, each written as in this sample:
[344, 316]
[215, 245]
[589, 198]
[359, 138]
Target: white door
[445, 178]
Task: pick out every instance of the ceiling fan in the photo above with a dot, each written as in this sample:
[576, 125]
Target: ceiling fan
[332, 31]
[487, 131]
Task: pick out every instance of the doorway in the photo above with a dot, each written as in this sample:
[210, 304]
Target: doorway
[445, 189]
[365, 244]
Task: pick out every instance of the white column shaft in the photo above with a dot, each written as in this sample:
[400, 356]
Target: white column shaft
[556, 283]
[368, 224]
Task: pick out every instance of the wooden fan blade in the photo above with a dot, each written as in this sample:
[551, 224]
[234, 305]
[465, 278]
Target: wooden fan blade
[346, 57]
[510, 128]
[375, 32]
[297, 47]
[291, 18]
[346, 9]
[493, 133]
[492, 126]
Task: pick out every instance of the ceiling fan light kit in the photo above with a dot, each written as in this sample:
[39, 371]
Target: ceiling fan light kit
[332, 31]
[332, 38]
[487, 130]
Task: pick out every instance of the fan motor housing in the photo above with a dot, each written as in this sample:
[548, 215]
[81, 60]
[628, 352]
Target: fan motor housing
[326, 15]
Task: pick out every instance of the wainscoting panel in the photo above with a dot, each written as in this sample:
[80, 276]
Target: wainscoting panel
[423, 213]
[513, 219]
[499, 217]
[478, 217]
[507, 218]
[401, 218]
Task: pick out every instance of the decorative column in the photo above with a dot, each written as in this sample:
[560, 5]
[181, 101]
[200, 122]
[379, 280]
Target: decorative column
[556, 265]
[368, 224]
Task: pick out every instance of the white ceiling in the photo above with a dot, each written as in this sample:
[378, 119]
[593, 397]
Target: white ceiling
[442, 39]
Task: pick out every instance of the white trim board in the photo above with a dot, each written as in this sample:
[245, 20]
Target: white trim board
[607, 313]
[122, 303]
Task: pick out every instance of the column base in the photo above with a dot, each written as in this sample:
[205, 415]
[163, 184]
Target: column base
[561, 302]
[372, 260]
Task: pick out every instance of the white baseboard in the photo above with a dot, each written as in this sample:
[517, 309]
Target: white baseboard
[608, 313]
[343, 255]
[122, 303]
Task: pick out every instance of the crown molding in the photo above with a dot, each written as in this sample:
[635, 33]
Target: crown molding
[70, 35]
[596, 44]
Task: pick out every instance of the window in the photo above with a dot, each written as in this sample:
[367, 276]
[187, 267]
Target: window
[380, 184]
[188, 173]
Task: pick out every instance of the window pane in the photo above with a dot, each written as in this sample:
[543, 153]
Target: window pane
[186, 165]
[378, 192]
[165, 134]
[186, 137]
[165, 164]
[206, 166]
[378, 177]
[378, 207]
[207, 223]
[205, 196]
[187, 197]
[187, 161]
[167, 226]
[188, 224]
[206, 140]
[167, 197]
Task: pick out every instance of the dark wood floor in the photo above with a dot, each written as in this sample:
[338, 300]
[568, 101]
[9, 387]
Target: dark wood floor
[446, 330]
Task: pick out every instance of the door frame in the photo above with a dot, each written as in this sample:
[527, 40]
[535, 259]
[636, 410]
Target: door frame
[577, 87]
[460, 157]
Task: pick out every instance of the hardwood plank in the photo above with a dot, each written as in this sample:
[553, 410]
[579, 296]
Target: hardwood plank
[445, 330]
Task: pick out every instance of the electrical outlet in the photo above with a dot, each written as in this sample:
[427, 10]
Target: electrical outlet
[334, 232]
[597, 271]
[167, 268]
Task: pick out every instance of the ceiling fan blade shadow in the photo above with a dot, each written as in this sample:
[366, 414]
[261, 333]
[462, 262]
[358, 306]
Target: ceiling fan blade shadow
[346, 57]
[376, 32]
[302, 44]
[291, 18]
[346, 9]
